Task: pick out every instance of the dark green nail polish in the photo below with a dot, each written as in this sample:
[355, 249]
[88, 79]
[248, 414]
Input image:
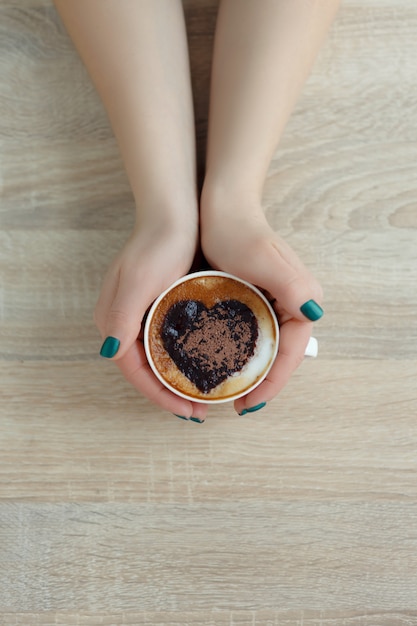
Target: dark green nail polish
[181, 417]
[312, 310]
[196, 420]
[110, 347]
[252, 409]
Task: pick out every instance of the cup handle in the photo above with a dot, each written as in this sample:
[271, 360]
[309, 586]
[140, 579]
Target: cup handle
[312, 347]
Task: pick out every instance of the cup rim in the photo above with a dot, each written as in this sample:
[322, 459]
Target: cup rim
[155, 305]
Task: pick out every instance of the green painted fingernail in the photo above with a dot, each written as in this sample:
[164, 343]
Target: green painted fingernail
[109, 347]
[196, 420]
[181, 417]
[252, 409]
[312, 310]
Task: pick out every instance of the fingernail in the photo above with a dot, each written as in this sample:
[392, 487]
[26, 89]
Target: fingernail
[312, 310]
[198, 421]
[181, 417]
[252, 409]
[109, 347]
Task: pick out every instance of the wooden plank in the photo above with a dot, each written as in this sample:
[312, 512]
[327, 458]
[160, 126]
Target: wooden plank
[220, 617]
[340, 431]
[118, 557]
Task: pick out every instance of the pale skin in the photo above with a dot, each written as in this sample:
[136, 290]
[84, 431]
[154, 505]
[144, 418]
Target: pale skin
[136, 53]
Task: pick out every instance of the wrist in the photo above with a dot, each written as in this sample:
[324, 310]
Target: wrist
[171, 213]
[220, 200]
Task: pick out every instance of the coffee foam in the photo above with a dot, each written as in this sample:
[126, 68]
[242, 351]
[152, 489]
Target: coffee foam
[211, 288]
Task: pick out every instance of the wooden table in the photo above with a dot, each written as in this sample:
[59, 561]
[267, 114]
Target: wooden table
[114, 512]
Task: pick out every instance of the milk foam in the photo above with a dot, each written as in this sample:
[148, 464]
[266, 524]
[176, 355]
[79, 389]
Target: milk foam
[260, 361]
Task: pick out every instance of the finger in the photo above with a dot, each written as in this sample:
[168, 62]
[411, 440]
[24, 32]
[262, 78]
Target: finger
[135, 368]
[293, 339]
[121, 317]
[277, 269]
[106, 296]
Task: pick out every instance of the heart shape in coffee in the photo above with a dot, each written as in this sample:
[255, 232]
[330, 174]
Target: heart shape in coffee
[209, 344]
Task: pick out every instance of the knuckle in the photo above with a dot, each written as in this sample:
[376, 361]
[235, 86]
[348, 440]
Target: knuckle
[290, 285]
[316, 289]
[298, 359]
[117, 317]
[98, 318]
[294, 359]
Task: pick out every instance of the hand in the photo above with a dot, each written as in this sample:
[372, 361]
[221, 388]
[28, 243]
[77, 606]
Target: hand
[151, 260]
[242, 243]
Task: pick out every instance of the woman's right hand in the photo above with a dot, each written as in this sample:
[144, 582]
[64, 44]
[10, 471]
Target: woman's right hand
[151, 260]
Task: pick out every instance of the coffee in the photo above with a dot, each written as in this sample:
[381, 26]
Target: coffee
[211, 337]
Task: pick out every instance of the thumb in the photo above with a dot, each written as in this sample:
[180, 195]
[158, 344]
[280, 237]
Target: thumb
[295, 289]
[122, 321]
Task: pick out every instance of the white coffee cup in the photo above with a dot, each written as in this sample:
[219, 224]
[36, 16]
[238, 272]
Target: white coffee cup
[208, 292]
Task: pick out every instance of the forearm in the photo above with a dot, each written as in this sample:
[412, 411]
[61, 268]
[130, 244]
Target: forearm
[136, 54]
[263, 54]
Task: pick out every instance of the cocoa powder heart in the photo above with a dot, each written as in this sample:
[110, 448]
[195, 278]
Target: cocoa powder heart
[209, 344]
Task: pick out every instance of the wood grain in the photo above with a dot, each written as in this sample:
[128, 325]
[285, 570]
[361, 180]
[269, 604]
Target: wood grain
[145, 555]
[215, 618]
[113, 512]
